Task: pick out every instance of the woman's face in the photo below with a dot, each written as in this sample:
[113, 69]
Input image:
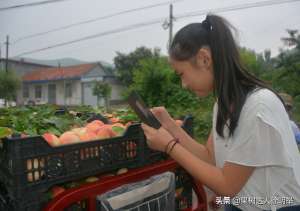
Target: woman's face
[196, 74]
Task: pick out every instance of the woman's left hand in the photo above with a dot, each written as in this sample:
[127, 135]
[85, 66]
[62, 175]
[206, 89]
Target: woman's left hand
[157, 139]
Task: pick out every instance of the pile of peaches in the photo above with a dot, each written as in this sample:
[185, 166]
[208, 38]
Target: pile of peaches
[94, 130]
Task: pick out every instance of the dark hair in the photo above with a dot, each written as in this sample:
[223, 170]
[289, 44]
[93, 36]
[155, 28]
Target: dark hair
[232, 81]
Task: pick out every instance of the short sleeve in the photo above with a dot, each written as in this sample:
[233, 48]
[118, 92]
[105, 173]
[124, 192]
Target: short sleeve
[257, 141]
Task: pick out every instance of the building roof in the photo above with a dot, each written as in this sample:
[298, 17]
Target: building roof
[22, 61]
[58, 73]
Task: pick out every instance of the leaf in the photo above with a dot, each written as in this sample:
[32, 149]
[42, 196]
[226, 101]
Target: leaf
[5, 131]
[31, 131]
[128, 117]
[118, 130]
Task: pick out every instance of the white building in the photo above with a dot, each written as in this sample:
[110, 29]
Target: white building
[71, 85]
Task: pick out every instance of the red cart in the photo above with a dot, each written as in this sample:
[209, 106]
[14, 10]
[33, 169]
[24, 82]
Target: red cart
[89, 192]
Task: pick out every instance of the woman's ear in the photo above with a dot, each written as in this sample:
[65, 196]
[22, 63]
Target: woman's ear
[203, 58]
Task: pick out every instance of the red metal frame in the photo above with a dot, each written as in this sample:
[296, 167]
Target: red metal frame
[90, 191]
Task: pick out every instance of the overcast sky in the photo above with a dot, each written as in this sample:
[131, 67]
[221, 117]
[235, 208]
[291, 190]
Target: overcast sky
[259, 28]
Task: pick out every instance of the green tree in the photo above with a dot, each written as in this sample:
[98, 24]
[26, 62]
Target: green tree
[286, 76]
[267, 56]
[9, 85]
[102, 90]
[293, 40]
[252, 61]
[125, 64]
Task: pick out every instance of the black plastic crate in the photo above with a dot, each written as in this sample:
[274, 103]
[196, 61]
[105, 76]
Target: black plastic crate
[29, 166]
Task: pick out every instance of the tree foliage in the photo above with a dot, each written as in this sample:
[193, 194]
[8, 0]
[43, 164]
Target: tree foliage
[9, 85]
[102, 90]
[125, 64]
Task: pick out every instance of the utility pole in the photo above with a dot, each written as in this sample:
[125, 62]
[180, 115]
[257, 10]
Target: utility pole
[64, 82]
[7, 44]
[170, 24]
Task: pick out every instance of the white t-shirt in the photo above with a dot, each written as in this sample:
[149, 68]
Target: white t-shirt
[263, 139]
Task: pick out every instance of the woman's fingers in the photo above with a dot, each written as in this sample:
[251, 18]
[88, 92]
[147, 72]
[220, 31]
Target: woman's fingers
[156, 112]
[161, 114]
[148, 130]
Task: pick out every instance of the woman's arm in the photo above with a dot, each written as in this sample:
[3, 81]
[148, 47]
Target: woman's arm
[204, 152]
[226, 181]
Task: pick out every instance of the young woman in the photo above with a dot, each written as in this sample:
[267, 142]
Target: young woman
[250, 155]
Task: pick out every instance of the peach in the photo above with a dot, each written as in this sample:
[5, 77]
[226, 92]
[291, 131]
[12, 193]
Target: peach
[79, 131]
[104, 132]
[52, 139]
[93, 127]
[97, 122]
[69, 137]
[111, 131]
[179, 122]
[114, 120]
[88, 136]
[128, 124]
[131, 149]
[34, 169]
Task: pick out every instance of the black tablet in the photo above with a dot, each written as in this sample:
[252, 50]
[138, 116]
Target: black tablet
[146, 116]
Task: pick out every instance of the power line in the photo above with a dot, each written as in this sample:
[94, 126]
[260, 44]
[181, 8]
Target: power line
[233, 8]
[93, 20]
[156, 21]
[30, 4]
[114, 31]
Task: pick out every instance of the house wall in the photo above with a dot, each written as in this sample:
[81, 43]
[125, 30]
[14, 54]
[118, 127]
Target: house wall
[62, 99]
[87, 80]
[75, 99]
[88, 97]
[97, 71]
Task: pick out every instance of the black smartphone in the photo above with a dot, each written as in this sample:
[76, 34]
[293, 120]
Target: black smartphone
[138, 105]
